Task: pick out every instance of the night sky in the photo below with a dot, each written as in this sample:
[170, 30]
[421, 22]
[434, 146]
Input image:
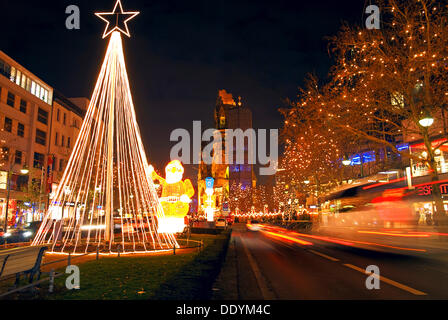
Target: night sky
[181, 53]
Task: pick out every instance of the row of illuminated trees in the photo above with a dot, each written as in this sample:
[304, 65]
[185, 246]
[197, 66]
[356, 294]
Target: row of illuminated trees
[384, 85]
[262, 198]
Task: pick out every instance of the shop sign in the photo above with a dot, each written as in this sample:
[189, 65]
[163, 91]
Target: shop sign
[426, 190]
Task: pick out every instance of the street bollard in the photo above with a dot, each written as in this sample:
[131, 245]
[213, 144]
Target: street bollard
[118, 251]
[174, 250]
[97, 252]
[51, 281]
[69, 259]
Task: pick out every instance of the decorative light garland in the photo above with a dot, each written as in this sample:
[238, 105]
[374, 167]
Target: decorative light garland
[107, 179]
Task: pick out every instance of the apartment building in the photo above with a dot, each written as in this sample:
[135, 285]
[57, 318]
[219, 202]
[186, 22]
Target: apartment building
[38, 128]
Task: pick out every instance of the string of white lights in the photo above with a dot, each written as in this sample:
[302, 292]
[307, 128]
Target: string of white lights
[106, 181]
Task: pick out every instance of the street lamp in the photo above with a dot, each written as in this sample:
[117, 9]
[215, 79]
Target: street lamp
[427, 120]
[346, 161]
[24, 170]
[306, 181]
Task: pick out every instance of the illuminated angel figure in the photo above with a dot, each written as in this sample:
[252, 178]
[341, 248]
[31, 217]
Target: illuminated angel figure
[176, 196]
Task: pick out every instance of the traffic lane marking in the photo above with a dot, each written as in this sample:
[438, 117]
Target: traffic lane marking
[381, 278]
[323, 255]
[258, 276]
[387, 280]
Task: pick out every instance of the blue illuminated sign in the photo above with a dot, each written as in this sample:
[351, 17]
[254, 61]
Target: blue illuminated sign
[209, 182]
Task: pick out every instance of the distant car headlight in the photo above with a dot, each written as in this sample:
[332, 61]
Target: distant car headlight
[27, 234]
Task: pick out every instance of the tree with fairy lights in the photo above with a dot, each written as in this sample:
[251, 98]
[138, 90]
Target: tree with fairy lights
[240, 197]
[260, 198]
[314, 148]
[106, 183]
[390, 83]
[395, 79]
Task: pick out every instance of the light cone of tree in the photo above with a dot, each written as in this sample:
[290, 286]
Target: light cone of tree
[106, 197]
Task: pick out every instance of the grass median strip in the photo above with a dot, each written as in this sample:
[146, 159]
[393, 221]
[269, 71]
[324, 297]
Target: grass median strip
[181, 276]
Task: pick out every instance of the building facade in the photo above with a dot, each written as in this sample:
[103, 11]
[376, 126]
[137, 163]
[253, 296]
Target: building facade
[38, 128]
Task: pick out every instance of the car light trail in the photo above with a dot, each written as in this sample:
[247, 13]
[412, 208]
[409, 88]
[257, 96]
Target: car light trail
[344, 242]
[407, 235]
[431, 233]
[285, 237]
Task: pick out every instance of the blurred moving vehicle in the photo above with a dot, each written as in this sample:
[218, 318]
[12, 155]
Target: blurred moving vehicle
[33, 226]
[253, 225]
[221, 223]
[16, 235]
[362, 216]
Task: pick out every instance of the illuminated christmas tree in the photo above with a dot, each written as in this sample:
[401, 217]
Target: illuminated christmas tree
[106, 198]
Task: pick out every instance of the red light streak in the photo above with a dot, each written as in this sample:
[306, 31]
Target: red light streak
[396, 234]
[430, 183]
[431, 233]
[383, 183]
[285, 237]
[344, 242]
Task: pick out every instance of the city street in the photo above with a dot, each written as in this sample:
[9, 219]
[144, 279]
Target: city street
[237, 150]
[272, 268]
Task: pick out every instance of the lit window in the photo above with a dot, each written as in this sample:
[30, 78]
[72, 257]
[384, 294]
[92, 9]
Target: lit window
[18, 77]
[23, 84]
[36, 93]
[13, 74]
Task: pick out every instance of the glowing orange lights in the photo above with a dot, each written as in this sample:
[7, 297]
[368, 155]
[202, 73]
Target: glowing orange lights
[405, 235]
[285, 237]
[291, 235]
[115, 16]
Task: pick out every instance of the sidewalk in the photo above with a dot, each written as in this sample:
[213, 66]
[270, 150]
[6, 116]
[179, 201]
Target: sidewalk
[226, 285]
[236, 280]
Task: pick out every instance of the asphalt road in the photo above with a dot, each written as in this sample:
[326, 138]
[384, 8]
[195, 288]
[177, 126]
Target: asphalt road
[272, 267]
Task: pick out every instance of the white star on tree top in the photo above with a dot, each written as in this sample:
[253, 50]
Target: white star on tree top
[114, 18]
